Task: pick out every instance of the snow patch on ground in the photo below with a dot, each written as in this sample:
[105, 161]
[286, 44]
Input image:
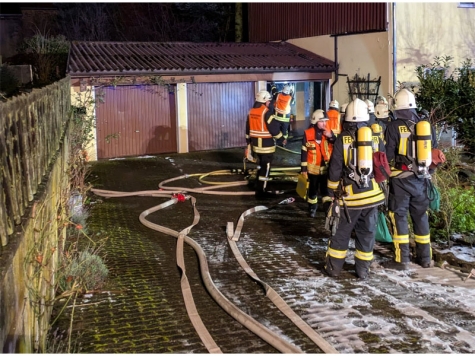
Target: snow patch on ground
[464, 253]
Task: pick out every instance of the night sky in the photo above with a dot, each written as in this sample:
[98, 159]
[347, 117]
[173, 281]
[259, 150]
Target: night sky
[14, 7]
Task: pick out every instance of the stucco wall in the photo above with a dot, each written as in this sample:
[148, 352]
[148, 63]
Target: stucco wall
[87, 98]
[426, 30]
[357, 54]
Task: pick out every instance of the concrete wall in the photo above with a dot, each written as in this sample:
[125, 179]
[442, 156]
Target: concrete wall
[425, 30]
[422, 31]
[357, 54]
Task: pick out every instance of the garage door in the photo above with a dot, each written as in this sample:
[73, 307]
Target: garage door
[135, 120]
[217, 114]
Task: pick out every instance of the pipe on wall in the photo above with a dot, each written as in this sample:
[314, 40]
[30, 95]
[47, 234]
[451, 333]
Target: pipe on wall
[336, 67]
[394, 45]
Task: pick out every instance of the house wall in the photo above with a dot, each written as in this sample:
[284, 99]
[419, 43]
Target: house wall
[357, 54]
[87, 98]
[425, 30]
[10, 34]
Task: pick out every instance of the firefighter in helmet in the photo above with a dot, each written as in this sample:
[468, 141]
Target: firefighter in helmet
[316, 150]
[282, 103]
[372, 117]
[334, 117]
[409, 142]
[261, 132]
[381, 111]
[355, 192]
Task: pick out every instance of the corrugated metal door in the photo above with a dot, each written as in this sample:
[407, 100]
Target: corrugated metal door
[135, 120]
[217, 114]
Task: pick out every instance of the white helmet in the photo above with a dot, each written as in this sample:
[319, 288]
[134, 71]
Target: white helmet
[343, 108]
[370, 106]
[404, 99]
[318, 115]
[357, 111]
[334, 104]
[381, 100]
[286, 89]
[381, 111]
[263, 96]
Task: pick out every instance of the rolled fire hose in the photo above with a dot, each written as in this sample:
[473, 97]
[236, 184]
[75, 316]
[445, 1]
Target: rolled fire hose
[270, 292]
[246, 320]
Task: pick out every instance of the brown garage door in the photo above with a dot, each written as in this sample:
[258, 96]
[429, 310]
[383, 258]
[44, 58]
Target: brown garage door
[217, 114]
[135, 120]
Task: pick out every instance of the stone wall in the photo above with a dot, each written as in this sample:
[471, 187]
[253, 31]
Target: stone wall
[34, 183]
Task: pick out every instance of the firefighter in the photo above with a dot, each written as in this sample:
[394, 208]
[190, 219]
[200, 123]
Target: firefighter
[381, 111]
[282, 103]
[261, 132]
[316, 150]
[409, 141]
[334, 117]
[372, 117]
[354, 190]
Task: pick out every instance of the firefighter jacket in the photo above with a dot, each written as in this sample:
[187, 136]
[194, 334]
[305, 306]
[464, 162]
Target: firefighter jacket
[316, 151]
[282, 107]
[261, 129]
[399, 137]
[334, 121]
[378, 137]
[356, 196]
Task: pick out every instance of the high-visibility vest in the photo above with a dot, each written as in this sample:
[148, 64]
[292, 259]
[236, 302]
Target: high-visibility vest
[317, 153]
[257, 125]
[282, 104]
[334, 122]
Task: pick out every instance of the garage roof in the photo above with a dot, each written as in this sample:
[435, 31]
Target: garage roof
[185, 58]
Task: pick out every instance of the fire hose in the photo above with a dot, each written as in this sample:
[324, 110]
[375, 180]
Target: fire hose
[176, 194]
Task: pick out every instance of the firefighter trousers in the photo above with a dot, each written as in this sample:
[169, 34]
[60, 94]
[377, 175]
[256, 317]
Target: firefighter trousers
[317, 183]
[410, 195]
[363, 221]
[264, 162]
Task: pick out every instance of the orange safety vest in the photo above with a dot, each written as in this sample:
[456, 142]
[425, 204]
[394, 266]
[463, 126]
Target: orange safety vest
[257, 125]
[282, 104]
[317, 153]
[334, 122]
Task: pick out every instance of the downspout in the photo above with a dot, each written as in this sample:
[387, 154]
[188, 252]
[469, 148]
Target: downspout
[394, 46]
[336, 67]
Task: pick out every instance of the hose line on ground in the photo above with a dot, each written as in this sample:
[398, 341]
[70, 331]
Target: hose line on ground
[243, 318]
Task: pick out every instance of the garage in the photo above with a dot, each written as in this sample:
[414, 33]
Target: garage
[154, 98]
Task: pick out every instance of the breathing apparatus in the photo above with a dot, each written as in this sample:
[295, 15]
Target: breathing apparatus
[421, 156]
[364, 141]
[423, 150]
[360, 160]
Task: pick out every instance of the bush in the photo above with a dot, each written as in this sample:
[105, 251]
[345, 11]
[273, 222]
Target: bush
[463, 200]
[84, 271]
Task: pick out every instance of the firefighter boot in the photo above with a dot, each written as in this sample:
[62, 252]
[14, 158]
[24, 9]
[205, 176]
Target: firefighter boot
[312, 210]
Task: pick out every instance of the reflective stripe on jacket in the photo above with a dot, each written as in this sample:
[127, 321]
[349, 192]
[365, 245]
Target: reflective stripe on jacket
[357, 197]
[257, 124]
